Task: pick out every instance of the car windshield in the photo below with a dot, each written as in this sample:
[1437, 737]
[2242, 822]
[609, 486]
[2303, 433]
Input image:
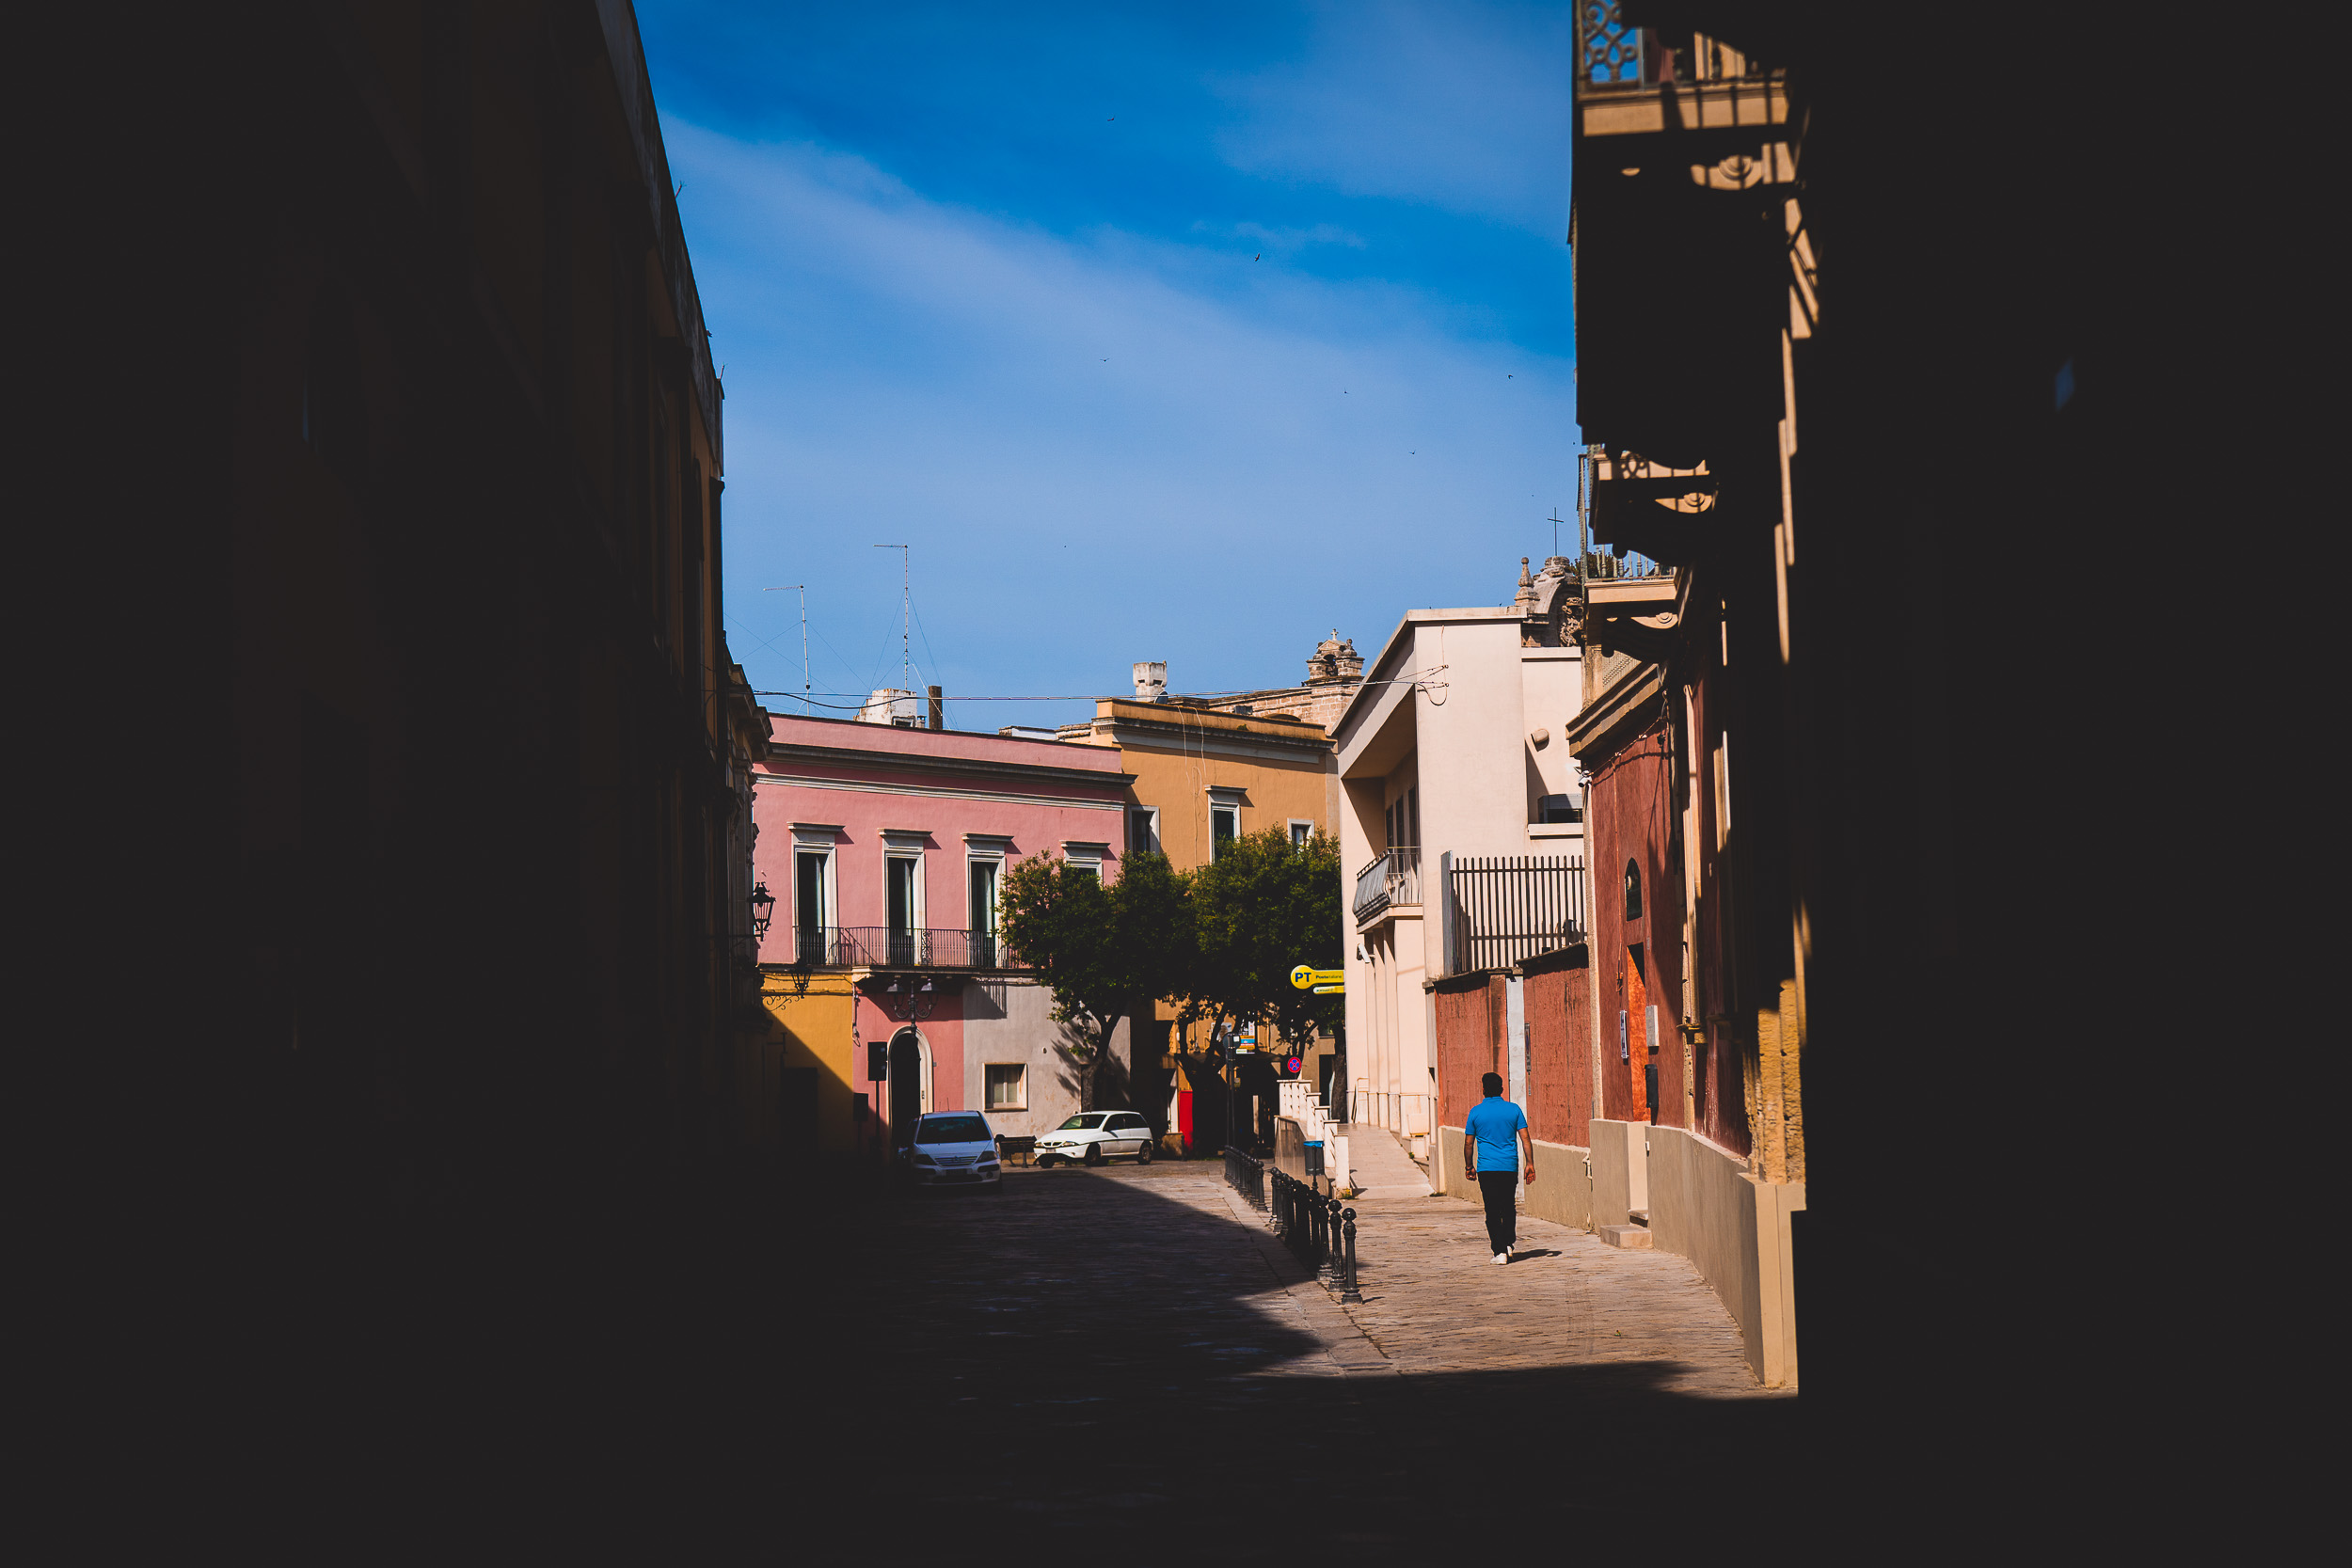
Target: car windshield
[954, 1130]
[1085, 1123]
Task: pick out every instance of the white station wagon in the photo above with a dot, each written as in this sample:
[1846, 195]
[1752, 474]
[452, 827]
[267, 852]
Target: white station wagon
[1094, 1136]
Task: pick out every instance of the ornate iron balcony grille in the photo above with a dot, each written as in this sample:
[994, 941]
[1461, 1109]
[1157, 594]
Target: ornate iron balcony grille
[1393, 879]
[1508, 907]
[1609, 51]
[882, 948]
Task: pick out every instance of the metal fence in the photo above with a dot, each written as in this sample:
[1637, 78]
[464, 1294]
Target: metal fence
[1245, 1176]
[1506, 907]
[1393, 879]
[882, 948]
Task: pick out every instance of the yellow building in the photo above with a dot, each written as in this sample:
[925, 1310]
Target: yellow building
[1209, 772]
[807, 1060]
[1203, 775]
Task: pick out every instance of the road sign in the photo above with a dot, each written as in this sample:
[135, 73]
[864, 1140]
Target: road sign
[1316, 979]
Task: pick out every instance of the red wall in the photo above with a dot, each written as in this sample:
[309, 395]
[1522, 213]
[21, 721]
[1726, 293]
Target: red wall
[1559, 1001]
[1631, 816]
[1469, 1041]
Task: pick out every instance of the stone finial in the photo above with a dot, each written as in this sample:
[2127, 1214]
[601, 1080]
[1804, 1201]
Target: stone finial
[1152, 681]
[1525, 598]
[1334, 660]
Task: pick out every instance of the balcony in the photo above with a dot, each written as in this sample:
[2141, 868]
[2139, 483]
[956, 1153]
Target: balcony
[1631, 80]
[1393, 879]
[882, 948]
[1508, 907]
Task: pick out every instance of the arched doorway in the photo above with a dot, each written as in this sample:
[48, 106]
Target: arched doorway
[910, 1085]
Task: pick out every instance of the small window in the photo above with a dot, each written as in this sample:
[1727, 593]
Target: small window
[1632, 891]
[1143, 831]
[983, 911]
[1559, 808]
[809, 914]
[1008, 1086]
[1224, 827]
[1301, 833]
[905, 872]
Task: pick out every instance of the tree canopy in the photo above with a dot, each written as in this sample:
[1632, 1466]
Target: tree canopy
[1261, 908]
[1220, 943]
[1103, 952]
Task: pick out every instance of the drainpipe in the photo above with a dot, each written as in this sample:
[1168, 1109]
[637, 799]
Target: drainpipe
[1514, 1023]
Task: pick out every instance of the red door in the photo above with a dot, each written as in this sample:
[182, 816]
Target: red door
[1636, 1026]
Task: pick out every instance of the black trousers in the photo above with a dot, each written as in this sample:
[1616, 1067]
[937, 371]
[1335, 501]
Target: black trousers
[1500, 1189]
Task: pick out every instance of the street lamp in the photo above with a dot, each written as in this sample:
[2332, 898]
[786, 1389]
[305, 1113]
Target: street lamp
[763, 909]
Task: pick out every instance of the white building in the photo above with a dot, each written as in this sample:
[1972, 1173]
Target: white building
[1452, 748]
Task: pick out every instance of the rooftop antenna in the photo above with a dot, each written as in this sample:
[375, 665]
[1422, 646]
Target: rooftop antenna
[906, 616]
[802, 588]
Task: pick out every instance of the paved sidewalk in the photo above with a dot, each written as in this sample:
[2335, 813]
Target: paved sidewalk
[1435, 1301]
[1379, 1165]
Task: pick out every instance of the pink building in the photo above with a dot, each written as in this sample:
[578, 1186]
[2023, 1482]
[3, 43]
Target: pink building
[884, 847]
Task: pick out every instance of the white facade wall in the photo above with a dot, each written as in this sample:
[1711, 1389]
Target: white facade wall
[1451, 711]
[1010, 1022]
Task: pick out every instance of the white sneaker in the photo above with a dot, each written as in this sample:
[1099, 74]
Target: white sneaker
[1502, 1258]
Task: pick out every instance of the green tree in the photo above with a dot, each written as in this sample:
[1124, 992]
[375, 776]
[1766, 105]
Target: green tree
[1106, 953]
[1261, 908]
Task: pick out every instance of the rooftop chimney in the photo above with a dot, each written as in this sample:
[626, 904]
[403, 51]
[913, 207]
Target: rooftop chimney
[1152, 681]
[939, 708]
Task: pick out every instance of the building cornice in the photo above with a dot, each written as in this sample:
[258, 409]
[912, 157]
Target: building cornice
[1254, 744]
[992, 796]
[845, 756]
[1616, 713]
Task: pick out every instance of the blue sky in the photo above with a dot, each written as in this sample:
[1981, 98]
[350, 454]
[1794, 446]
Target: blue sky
[1186, 332]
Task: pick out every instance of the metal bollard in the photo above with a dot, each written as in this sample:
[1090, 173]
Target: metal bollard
[1332, 1229]
[1347, 1274]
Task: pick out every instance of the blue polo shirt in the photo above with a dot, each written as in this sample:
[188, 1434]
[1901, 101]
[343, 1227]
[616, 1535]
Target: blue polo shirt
[1495, 1122]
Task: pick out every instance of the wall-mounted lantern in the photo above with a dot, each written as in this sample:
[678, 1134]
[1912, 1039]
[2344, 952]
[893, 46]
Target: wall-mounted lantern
[763, 909]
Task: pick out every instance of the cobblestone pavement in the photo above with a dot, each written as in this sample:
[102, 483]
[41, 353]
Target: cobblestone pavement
[1133, 1349]
[1435, 1301]
[1121, 1364]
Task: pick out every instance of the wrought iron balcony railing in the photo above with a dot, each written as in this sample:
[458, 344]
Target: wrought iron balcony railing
[1393, 879]
[883, 947]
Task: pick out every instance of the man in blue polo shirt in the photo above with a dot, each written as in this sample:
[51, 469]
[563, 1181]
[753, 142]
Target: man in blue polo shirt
[1493, 1136]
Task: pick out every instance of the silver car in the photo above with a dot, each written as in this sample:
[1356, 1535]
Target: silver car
[1094, 1136]
[954, 1148]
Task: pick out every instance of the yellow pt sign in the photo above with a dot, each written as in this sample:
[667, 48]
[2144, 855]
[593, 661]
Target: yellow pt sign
[1319, 980]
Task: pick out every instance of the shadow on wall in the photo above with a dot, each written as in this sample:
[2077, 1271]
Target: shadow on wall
[984, 1000]
[1074, 1066]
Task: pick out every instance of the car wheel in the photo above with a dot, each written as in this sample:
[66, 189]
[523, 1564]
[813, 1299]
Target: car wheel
[1045, 1162]
[1094, 1154]
[1143, 1153]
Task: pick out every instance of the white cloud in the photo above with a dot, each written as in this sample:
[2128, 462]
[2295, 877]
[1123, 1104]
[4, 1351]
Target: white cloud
[1461, 107]
[1103, 448]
